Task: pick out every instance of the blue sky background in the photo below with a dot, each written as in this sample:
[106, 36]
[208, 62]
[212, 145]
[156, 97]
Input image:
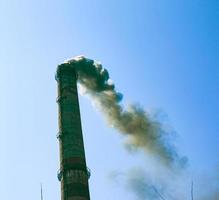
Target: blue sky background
[162, 54]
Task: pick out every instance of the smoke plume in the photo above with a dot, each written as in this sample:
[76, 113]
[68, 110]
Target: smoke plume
[146, 184]
[142, 131]
[143, 185]
[161, 184]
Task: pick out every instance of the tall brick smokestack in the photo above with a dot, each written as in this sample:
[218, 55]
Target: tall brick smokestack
[73, 170]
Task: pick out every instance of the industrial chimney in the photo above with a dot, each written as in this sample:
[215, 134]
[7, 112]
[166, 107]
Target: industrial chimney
[73, 172]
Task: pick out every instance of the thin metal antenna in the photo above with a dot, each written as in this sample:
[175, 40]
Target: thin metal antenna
[192, 190]
[41, 191]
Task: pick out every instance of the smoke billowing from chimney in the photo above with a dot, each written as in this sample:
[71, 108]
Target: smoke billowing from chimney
[142, 131]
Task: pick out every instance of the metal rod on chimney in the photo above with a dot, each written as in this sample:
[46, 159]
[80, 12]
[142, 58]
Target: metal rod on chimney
[41, 191]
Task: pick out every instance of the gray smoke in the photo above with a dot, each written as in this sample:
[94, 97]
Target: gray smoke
[142, 131]
[148, 185]
[162, 184]
[143, 186]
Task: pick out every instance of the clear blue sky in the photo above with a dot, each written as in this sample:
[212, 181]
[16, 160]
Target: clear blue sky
[162, 54]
